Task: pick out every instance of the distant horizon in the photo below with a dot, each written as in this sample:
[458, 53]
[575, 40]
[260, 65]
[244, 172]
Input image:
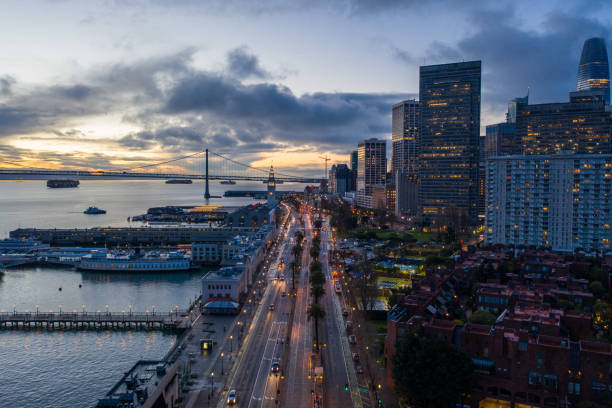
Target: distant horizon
[108, 86]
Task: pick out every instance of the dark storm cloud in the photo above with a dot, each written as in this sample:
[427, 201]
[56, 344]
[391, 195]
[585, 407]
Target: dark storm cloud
[77, 92]
[243, 64]
[514, 59]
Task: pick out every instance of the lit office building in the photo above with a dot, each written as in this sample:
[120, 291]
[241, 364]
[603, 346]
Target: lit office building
[404, 156]
[371, 169]
[593, 71]
[582, 125]
[449, 137]
[561, 201]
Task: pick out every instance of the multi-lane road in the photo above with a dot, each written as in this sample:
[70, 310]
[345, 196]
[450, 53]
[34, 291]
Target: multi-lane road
[280, 333]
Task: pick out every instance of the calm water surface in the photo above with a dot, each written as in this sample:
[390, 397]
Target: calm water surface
[74, 368]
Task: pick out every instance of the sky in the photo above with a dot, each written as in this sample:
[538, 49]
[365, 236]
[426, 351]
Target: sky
[118, 84]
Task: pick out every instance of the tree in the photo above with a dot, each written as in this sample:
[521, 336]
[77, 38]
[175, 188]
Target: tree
[317, 291]
[483, 316]
[316, 312]
[430, 373]
[317, 278]
[366, 283]
[597, 288]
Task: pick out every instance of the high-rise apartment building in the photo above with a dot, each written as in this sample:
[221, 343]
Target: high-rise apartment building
[582, 125]
[449, 133]
[354, 160]
[371, 169]
[404, 155]
[593, 71]
[562, 201]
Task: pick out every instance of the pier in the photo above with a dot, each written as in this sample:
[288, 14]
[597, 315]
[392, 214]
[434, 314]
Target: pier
[94, 320]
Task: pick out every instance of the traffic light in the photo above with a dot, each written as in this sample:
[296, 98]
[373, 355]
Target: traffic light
[346, 387]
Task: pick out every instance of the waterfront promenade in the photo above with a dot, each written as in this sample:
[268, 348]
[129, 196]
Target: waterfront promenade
[93, 320]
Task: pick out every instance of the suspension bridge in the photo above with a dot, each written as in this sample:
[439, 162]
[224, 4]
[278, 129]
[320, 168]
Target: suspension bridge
[203, 165]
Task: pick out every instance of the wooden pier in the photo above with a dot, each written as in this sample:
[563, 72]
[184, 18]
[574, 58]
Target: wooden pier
[94, 320]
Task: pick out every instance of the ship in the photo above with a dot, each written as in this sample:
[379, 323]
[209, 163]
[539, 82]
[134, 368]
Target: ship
[62, 183]
[179, 181]
[232, 182]
[133, 262]
[94, 210]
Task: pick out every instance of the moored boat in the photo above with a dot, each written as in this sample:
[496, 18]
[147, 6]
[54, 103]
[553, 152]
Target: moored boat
[94, 210]
[131, 262]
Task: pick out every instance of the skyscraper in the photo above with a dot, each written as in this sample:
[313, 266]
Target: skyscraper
[582, 125]
[371, 169]
[593, 71]
[404, 155]
[404, 136]
[449, 134]
[354, 160]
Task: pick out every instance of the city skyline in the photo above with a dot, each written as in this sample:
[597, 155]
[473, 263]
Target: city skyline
[136, 82]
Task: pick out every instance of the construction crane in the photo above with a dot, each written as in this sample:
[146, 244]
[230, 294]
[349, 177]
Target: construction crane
[326, 160]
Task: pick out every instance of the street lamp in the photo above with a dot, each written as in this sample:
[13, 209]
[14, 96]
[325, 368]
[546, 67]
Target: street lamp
[60, 310]
[222, 355]
[212, 375]
[130, 307]
[36, 309]
[83, 306]
[106, 306]
[153, 307]
[231, 343]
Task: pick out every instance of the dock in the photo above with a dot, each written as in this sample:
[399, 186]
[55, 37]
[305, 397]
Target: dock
[94, 320]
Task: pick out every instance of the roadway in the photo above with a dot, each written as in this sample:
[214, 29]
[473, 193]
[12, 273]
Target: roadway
[266, 337]
[300, 370]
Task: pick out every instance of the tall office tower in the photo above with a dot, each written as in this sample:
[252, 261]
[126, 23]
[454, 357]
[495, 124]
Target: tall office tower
[449, 137]
[354, 160]
[340, 179]
[404, 155]
[371, 169]
[482, 160]
[499, 139]
[513, 106]
[404, 136]
[593, 71]
[557, 200]
[582, 125]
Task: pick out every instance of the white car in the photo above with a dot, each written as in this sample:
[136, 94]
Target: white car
[232, 398]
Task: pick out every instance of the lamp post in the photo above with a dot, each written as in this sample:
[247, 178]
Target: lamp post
[153, 307]
[14, 308]
[60, 309]
[83, 306]
[222, 372]
[130, 307]
[36, 309]
[231, 343]
[106, 306]
[212, 376]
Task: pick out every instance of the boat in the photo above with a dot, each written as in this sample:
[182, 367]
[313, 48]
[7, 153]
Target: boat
[132, 262]
[62, 183]
[12, 245]
[179, 181]
[94, 210]
[231, 182]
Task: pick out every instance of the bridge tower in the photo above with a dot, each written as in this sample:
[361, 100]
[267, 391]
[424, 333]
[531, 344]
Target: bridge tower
[207, 191]
[271, 188]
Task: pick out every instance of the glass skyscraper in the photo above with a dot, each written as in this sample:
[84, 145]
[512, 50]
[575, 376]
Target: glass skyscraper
[593, 71]
[449, 133]
[404, 155]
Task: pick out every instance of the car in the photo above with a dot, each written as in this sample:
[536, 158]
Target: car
[349, 325]
[271, 307]
[355, 356]
[232, 397]
[359, 368]
[352, 339]
[275, 367]
[344, 312]
[283, 294]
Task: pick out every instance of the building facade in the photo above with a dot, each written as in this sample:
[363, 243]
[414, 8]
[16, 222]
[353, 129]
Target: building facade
[560, 201]
[500, 139]
[405, 155]
[582, 125]
[371, 169]
[340, 179]
[449, 132]
[593, 71]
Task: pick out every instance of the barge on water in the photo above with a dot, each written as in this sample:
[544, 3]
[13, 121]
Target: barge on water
[179, 181]
[63, 183]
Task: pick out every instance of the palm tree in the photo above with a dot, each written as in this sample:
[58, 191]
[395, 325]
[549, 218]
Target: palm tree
[317, 291]
[316, 312]
[317, 278]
